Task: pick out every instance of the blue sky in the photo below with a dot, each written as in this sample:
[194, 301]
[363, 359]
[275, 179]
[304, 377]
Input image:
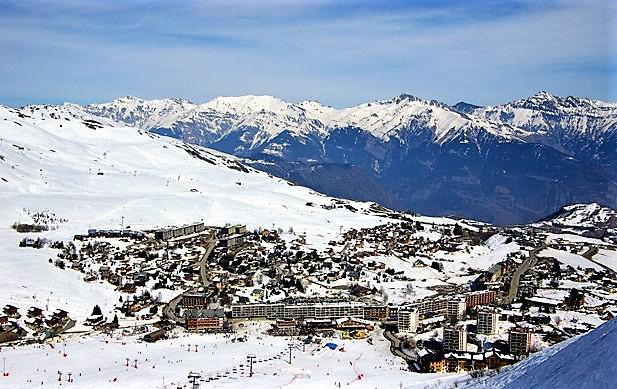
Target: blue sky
[338, 52]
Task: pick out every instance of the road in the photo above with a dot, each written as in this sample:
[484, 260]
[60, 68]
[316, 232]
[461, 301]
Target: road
[522, 268]
[169, 310]
[203, 263]
[397, 351]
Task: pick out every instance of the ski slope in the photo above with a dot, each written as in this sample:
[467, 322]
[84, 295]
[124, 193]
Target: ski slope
[585, 362]
[101, 362]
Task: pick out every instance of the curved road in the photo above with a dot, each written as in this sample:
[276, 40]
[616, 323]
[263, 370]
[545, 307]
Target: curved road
[396, 350]
[169, 310]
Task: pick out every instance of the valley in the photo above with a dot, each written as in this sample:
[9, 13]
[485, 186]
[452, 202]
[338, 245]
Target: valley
[185, 261]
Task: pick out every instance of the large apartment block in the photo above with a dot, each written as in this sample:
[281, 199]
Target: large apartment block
[520, 340]
[407, 321]
[455, 338]
[456, 309]
[487, 321]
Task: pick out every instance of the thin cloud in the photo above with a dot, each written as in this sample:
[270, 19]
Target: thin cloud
[341, 53]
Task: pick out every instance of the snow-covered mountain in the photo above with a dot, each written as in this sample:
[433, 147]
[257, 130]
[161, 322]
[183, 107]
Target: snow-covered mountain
[243, 124]
[586, 362]
[584, 216]
[256, 120]
[578, 126]
[98, 174]
[506, 164]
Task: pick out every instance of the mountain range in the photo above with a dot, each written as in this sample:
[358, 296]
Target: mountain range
[505, 164]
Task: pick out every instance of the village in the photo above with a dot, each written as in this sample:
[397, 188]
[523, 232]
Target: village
[444, 301]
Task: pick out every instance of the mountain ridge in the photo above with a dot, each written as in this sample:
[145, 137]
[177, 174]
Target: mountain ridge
[478, 162]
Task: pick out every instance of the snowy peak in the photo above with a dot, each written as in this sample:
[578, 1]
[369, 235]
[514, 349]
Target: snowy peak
[545, 101]
[242, 105]
[580, 127]
[387, 118]
[270, 116]
[547, 107]
[465, 107]
[134, 111]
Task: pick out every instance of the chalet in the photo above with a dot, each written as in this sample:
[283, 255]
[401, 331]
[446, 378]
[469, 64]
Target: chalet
[58, 317]
[495, 360]
[35, 322]
[11, 333]
[128, 288]
[195, 300]
[544, 304]
[104, 272]
[34, 312]
[431, 362]
[457, 362]
[11, 311]
[360, 291]
[205, 320]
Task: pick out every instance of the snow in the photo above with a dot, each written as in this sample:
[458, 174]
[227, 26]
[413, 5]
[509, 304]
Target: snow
[266, 116]
[584, 215]
[550, 237]
[168, 362]
[571, 259]
[607, 258]
[545, 114]
[585, 362]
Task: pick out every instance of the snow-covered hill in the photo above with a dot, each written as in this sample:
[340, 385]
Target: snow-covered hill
[585, 216]
[75, 171]
[586, 362]
[93, 172]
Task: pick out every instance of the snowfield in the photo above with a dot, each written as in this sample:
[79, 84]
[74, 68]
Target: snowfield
[570, 259]
[102, 177]
[166, 364]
